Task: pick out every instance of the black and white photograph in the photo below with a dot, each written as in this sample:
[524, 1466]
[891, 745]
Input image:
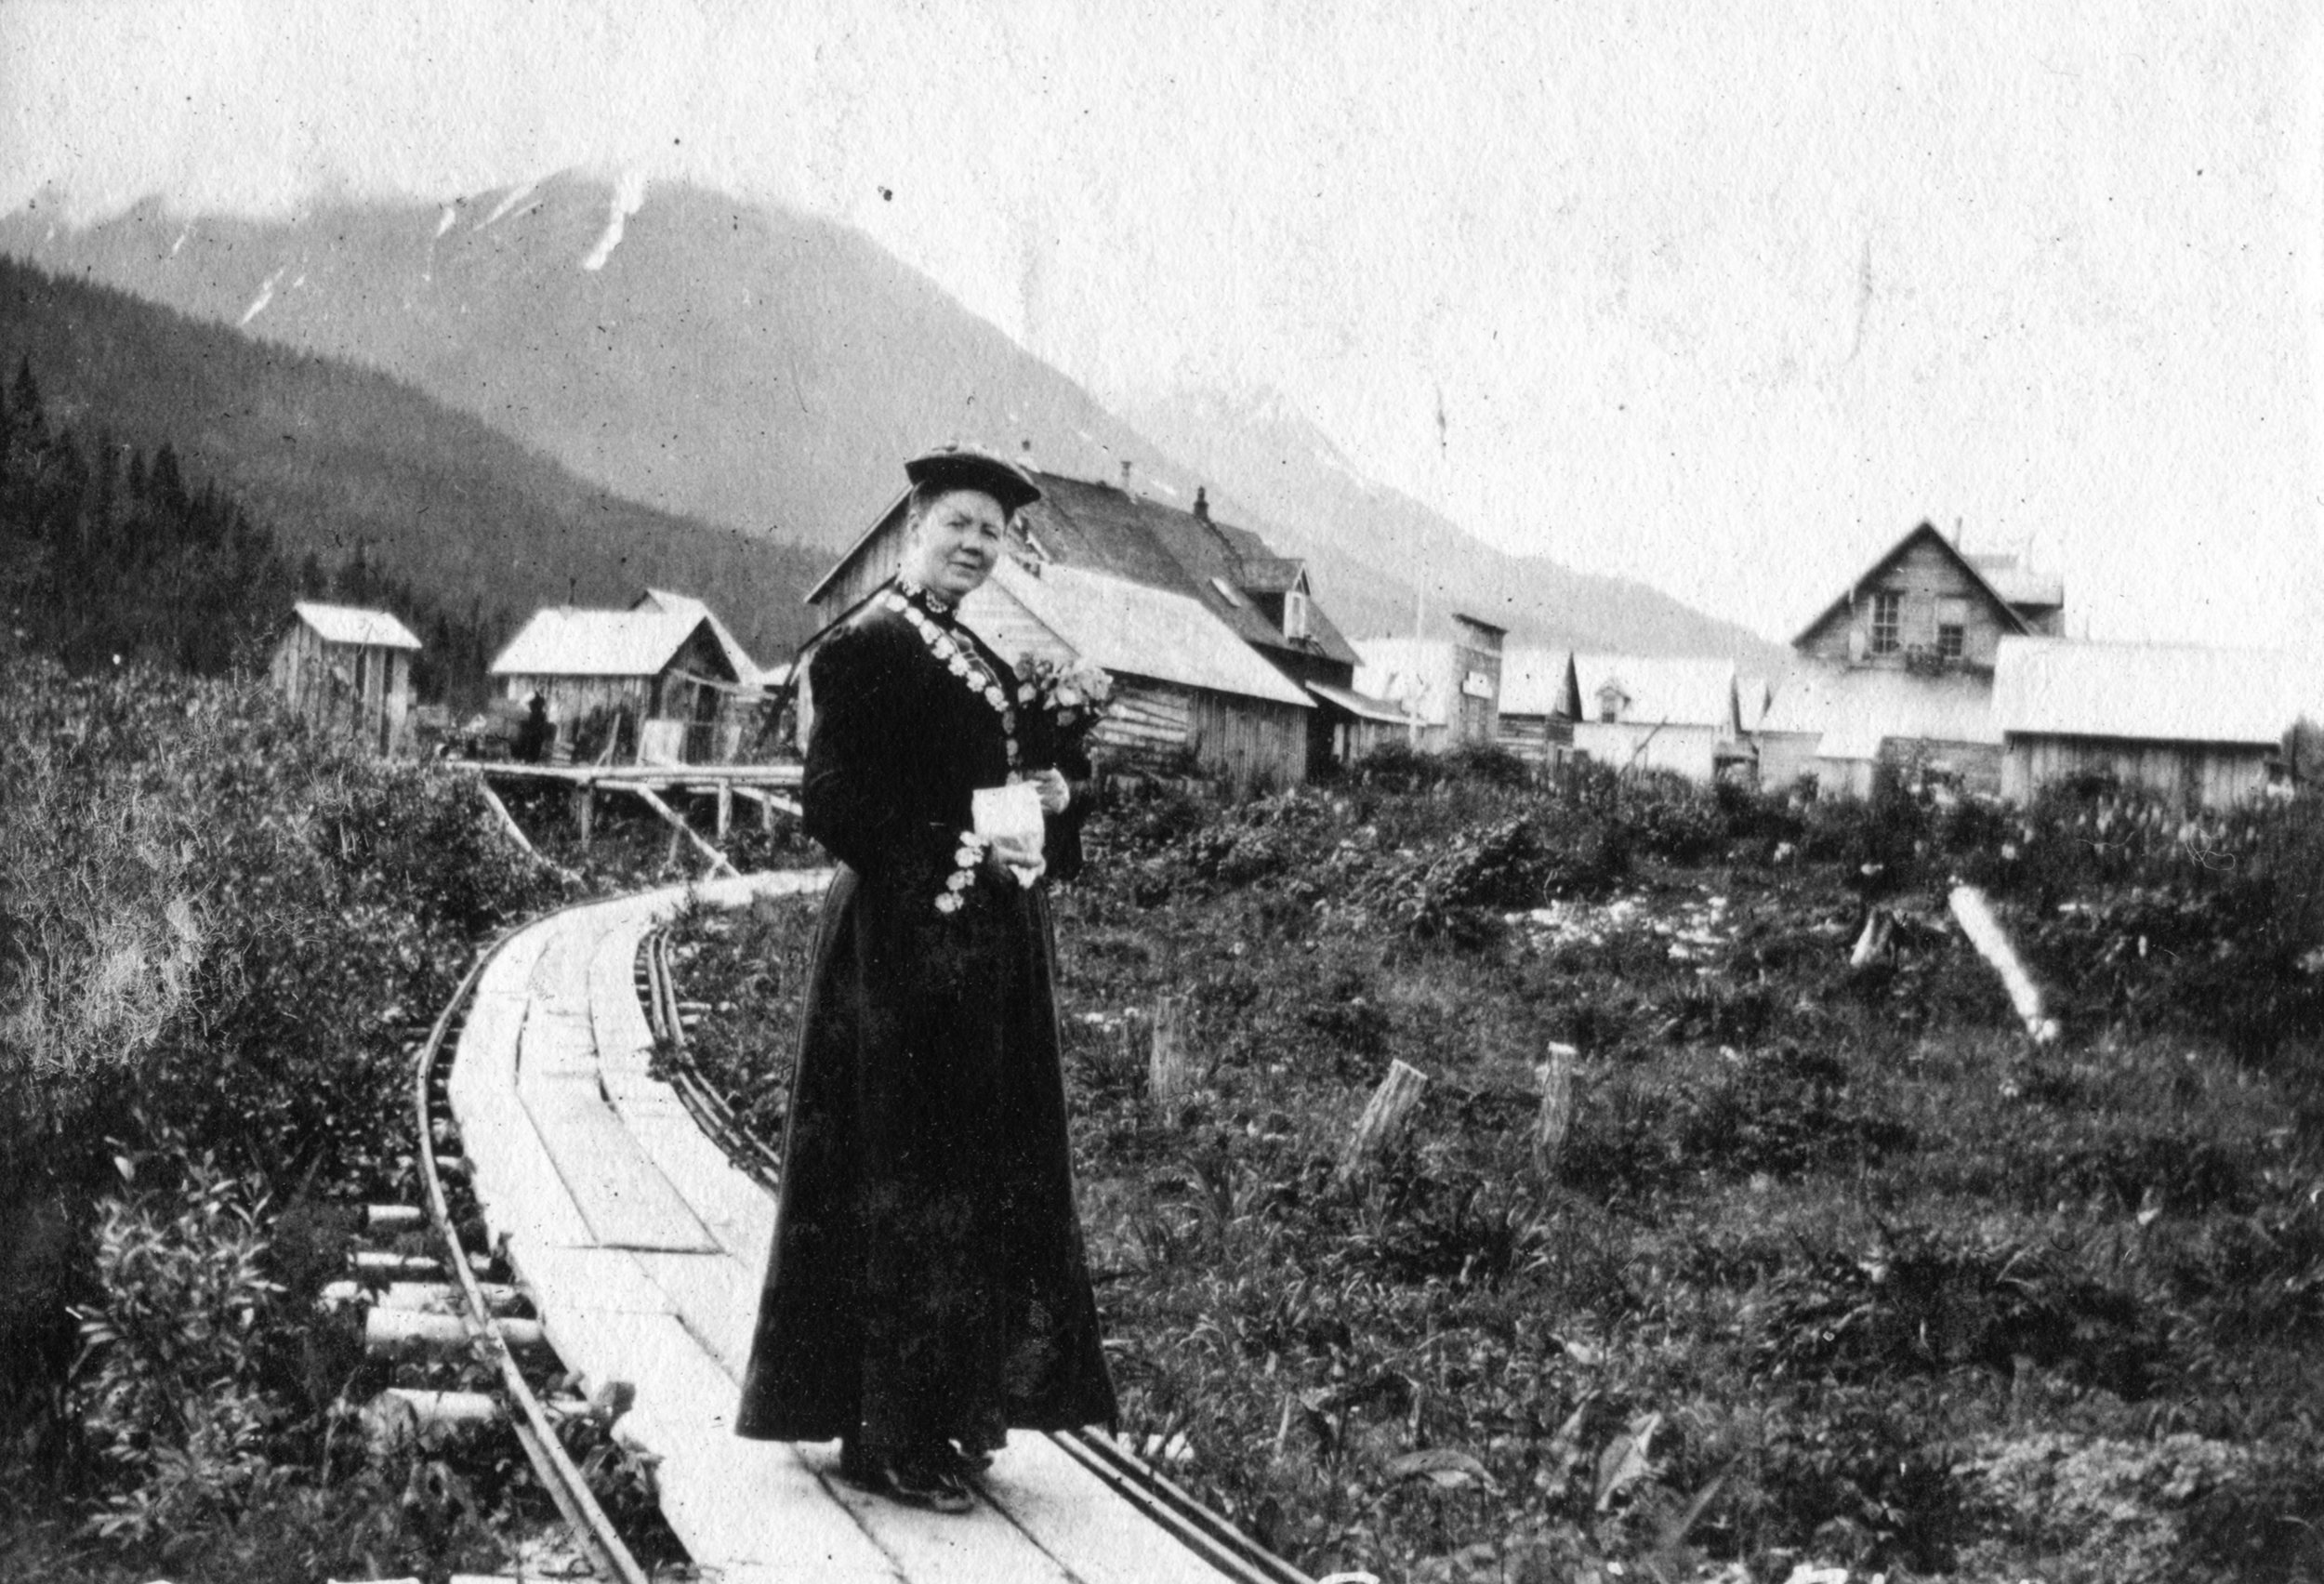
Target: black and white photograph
[1117, 792]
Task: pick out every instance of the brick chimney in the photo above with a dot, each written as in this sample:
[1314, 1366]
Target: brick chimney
[1202, 504]
[1128, 466]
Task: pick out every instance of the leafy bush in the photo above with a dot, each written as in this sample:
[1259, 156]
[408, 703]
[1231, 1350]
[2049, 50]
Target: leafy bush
[168, 1392]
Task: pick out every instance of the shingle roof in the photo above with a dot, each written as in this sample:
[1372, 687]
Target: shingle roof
[559, 642]
[1855, 709]
[1671, 692]
[352, 624]
[746, 671]
[1128, 627]
[2160, 692]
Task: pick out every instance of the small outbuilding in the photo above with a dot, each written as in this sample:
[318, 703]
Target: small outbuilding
[660, 683]
[2202, 727]
[348, 671]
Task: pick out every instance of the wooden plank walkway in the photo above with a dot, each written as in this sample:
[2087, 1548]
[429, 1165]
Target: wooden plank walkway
[644, 1249]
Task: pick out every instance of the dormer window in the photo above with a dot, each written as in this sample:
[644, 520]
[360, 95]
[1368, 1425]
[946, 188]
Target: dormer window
[1887, 623]
[1294, 614]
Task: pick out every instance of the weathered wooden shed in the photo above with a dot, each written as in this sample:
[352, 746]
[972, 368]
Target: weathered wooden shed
[349, 670]
[652, 684]
[2202, 727]
[1640, 713]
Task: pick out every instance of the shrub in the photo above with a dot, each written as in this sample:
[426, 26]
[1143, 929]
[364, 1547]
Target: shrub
[168, 1393]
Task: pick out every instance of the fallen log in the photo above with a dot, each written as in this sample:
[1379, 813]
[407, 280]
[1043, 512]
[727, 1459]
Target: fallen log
[1977, 921]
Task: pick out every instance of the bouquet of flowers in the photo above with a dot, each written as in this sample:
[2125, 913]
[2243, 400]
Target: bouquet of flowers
[1070, 700]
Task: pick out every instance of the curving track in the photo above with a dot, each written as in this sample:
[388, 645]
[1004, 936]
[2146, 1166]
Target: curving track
[640, 1245]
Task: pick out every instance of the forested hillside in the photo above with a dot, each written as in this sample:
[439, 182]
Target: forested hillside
[337, 458]
[111, 555]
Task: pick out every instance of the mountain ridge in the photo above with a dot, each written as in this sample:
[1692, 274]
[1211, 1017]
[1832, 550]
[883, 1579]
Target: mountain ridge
[758, 368]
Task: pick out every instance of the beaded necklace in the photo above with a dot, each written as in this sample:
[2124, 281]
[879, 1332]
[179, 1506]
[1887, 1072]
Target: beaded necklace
[965, 663]
[960, 659]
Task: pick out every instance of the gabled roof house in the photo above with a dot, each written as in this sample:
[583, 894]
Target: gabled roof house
[664, 680]
[1898, 669]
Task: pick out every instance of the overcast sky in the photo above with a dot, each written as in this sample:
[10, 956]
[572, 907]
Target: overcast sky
[1724, 295]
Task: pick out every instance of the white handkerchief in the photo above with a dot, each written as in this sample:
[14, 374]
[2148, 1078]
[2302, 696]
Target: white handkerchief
[1010, 817]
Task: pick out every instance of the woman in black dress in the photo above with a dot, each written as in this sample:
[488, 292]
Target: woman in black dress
[928, 1287]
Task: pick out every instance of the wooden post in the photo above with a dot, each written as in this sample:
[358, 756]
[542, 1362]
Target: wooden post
[1878, 927]
[669, 816]
[508, 826]
[1166, 1077]
[1383, 1119]
[1985, 933]
[726, 808]
[585, 810]
[1557, 1107]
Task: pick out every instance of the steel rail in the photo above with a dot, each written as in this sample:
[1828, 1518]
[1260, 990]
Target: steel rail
[555, 1469]
[1204, 1530]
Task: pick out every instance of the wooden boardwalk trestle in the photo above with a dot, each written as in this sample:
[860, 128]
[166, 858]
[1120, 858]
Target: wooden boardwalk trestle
[642, 1244]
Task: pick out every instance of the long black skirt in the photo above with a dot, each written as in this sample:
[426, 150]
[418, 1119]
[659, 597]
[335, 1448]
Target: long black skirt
[928, 1280]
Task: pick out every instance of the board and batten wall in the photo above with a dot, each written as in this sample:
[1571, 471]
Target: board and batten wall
[2208, 775]
[363, 690]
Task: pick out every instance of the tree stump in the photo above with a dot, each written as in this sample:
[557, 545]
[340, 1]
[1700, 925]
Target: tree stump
[1557, 1107]
[1167, 1075]
[1383, 1119]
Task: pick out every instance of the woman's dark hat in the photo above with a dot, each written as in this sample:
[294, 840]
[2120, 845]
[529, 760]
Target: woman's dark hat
[962, 468]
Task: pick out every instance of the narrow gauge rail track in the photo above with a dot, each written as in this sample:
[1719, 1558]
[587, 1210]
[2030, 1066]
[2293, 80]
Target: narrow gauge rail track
[1168, 1505]
[559, 1475]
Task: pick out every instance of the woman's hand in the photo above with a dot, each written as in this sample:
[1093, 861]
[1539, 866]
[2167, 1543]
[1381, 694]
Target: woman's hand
[1021, 855]
[1055, 792]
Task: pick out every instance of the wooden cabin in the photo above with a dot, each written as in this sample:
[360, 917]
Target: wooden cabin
[658, 683]
[348, 671]
[1165, 567]
[1641, 714]
[2204, 728]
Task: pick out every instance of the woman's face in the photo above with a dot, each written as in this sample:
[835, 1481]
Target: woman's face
[957, 540]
